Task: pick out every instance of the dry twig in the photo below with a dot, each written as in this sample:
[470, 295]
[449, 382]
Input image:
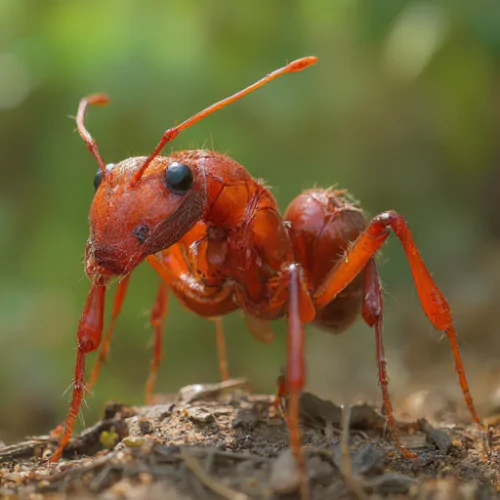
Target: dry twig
[217, 487]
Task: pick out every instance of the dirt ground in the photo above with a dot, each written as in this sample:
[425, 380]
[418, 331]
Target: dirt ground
[212, 442]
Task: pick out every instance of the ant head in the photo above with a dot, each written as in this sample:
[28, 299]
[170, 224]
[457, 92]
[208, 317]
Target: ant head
[144, 205]
[128, 224]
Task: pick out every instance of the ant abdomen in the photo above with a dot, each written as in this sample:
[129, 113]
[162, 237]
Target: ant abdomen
[324, 222]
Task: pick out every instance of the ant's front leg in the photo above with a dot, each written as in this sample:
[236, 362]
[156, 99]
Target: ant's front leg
[158, 314]
[88, 340]
[194, 295]
[102, 357]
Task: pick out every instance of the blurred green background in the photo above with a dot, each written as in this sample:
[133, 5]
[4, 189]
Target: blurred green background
[402, 109]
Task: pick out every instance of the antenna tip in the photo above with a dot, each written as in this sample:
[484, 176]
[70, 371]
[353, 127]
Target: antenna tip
[302, 63]
[97, 99]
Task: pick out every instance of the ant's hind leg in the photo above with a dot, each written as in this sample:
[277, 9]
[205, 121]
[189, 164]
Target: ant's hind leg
[372, 315]
[433, 302]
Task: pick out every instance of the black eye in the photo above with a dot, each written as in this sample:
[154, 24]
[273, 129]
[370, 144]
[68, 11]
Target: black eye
[141, 233]
[98, 175]
[97, 179]
[178, 178]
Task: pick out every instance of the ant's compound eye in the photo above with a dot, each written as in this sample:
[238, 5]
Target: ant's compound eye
[97, 179]
[141, 233]
[98, 175]
[178, 178]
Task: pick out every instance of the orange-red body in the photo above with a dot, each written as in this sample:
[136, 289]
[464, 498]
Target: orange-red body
[217, 239]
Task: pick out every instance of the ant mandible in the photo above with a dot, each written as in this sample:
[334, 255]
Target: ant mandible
[217, 239]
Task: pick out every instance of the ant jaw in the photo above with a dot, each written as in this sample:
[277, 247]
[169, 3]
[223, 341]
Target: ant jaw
[101, 264]
[97, 274]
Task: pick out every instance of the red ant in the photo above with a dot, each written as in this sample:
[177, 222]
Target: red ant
[218, 241]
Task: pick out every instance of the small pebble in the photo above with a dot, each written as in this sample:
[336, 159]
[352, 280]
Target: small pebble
[133, 442]
[284, 477]
[200, 415]
[145, 427]
[223, 410]
[437, 436]
[390, 483]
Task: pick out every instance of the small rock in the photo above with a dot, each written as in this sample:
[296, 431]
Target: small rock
[284, 477]
[389, 483]
[438, 437]
[133, 442]
[200, 415]
[366, 417]
[196, 392]
[246, 419]
[115, 410]
[223, 410]
[315, 410]
[366, 460]
[146, 427]
[166, 414]
[416, 440]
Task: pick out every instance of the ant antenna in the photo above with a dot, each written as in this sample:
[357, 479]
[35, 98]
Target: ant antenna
[173, 132]
[93, 100]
